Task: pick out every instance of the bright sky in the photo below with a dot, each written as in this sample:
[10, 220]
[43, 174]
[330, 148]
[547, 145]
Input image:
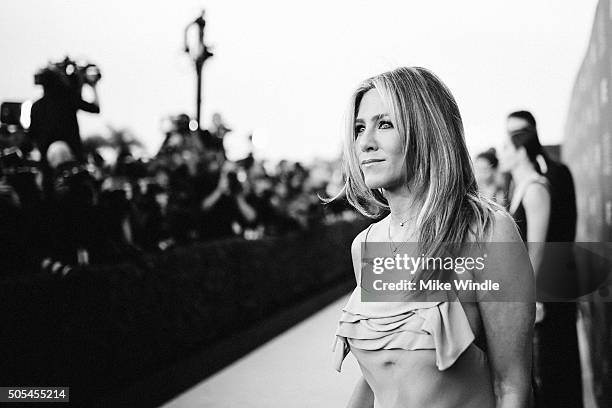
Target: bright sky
[285, 69]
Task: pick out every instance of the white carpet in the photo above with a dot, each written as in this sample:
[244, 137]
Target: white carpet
[292, 370]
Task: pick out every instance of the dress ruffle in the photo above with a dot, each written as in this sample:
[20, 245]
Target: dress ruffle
[439, 326]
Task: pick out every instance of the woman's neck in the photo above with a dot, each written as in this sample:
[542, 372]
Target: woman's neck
[403, 205]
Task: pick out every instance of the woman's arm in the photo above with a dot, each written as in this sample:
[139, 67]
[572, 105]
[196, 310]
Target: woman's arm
[508, 324]
[536, 203]
[362, 397]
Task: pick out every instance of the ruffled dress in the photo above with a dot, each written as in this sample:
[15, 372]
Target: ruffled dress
[439, 326]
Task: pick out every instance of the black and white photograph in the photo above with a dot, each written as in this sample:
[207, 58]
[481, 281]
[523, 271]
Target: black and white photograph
[278, 204]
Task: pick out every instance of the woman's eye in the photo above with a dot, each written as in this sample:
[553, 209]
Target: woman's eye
[359, 129]
[385, 125]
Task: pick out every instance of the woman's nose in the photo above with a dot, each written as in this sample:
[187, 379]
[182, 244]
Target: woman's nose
[367, 141]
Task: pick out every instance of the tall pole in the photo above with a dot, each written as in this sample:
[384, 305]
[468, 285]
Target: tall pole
[199, 54]
[199, 94]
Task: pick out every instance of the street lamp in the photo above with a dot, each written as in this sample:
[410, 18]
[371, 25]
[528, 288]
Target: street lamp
[199, 53]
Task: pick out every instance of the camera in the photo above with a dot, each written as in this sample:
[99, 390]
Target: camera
[68, 74]
[10, 113]
[74, 185]
[12, 162]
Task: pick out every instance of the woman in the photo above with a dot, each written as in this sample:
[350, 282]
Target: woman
[557, 378]
[530, 204]
[405, 153]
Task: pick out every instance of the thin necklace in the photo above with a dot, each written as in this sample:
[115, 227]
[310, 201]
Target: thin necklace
[395, 250]
[403, 223]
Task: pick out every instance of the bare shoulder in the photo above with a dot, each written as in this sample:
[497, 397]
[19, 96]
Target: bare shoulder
[356, 252]
[508, 261]
[359, 238]
[356, 245]
[504, 228]
[364, 235]
[356, 249]
[501, 229]
[537, 194]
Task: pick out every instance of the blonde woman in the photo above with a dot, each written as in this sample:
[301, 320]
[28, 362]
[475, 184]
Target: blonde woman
[405, 153]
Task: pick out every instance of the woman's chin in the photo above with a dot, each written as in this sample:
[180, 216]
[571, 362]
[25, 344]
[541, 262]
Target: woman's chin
[374, 183]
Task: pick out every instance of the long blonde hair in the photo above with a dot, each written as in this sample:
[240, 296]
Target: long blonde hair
[438, 163]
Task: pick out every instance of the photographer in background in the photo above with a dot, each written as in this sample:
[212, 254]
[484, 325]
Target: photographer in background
[14, 228]
[70, 230]
[225, 208]
[20, 193]
[54, 116]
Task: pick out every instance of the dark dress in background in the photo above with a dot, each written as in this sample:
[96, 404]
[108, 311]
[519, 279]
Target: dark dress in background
[557, 372]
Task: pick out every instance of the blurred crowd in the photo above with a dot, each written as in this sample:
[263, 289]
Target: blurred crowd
[61, 210]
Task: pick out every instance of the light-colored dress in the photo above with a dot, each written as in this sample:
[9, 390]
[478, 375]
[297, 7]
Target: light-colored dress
[443, 327]
[439, 326]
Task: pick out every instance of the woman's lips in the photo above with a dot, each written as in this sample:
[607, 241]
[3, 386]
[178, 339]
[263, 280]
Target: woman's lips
[371, 162]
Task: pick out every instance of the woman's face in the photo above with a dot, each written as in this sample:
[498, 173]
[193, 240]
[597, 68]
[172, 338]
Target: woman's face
[508, 155]
[378, 144]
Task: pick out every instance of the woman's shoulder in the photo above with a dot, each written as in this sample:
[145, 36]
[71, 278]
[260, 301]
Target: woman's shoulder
[503, 228]
[356, 248]
[361, 237]
[537, 192]
[535, 185]
[538, 180]
[374, 227]
[365, 233]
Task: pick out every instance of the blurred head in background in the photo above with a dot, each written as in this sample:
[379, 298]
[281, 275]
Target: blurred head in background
[520, 120]
[521, 149]
[485, 168]
[59, 153]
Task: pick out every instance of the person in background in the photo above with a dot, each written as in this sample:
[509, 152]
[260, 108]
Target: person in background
[54, 116]
[225, 207]
[563, 194]
[219, 127]
[543, 205]
[488, 177]
[69, 207]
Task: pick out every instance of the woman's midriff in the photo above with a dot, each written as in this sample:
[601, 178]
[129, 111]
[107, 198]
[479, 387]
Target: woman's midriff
[410, 378]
